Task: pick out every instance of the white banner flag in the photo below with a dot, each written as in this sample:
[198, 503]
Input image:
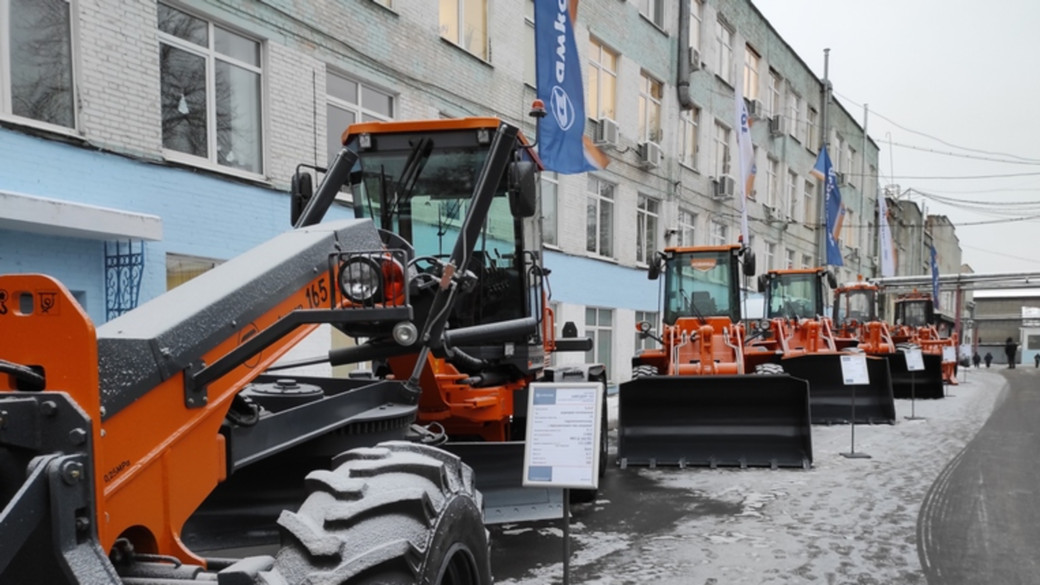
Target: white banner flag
[888, 265]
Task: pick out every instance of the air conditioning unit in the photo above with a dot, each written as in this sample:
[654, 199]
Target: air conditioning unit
[724, 187]
[607, 132]
[776, 125]
[650, 154]
[839, 178]
[755, 108]
[695, 60]
[773, 213]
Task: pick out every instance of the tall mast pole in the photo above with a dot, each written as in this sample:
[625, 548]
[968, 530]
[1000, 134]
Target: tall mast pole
[821, 209]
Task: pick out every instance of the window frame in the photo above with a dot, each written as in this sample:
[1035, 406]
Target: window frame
[689, 140]
[696, 22]
[7, 91]
[648, 227]
[719, 233]
[654, 318]
[596, 331]
[652, 10]
[599, 73]
[460, 26]
[650, 108]
[752, 62]
[602, 203]
[550, 237]
[684, 227]
[209, 53]
[722, 135]
[724, 36]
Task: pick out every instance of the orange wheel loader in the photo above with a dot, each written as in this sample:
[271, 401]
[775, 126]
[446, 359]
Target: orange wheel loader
[695, 401]
[112, 437]
[799, 336]
[915, 326]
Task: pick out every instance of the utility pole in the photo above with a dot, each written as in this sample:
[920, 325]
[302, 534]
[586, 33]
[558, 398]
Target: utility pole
[863, 197]
[821, 209]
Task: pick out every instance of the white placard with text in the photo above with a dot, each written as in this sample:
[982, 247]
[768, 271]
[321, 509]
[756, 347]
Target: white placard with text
[854, 369]
[914, 360]
[563, 432]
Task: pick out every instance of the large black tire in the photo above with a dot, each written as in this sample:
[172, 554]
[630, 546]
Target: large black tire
[769, 369]
[395, 514]
[644, 371]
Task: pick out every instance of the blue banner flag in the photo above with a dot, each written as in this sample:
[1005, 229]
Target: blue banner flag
[935, 280]
[561, 134]
[832, 206]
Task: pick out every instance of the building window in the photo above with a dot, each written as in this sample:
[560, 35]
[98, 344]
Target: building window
[349, 101]
[650, 93]
[464, 23]
[647, 219]
[770, 256]
[773, 183]
[719, 233]
[792, 194]
[599, 326]
[599, 208]
[689, 126]
[751, 64]
[724, 50]
[602, 81]
[653, 10]
[530, 72]
[807, 261]
[181, 268]
[387, 3]
[36, 79]
[853, 168]
[696, 16]
[687, 226]
[721, 164]
[848, 228]
[210, 80]
[550, 210]
[812, 127]
[776, 84]
[788, 258]
[809, 218]
[794, 105]
[646, 342]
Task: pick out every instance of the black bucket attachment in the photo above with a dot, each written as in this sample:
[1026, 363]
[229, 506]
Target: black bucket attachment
[927, 383]
[714, 421]
[831, 399]
[498, 469]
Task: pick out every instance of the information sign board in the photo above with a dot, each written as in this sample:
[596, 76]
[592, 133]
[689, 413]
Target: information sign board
[563, 430]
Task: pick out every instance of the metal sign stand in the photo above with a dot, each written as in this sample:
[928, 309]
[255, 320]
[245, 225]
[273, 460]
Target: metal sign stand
[561, 449]
[914, 362]
[855, 374]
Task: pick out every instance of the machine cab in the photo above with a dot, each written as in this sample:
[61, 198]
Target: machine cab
[701, 282]
[855, 304]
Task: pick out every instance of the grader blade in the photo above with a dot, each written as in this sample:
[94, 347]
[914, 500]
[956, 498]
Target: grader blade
[714, 421]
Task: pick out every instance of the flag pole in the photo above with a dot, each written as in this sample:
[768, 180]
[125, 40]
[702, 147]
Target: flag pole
[821, 209]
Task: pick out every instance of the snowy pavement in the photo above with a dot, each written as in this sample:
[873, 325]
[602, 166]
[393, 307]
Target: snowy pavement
[844, 521]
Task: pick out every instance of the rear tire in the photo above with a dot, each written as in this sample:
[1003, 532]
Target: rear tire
[769, 369]
[644, 371]
[398, 513]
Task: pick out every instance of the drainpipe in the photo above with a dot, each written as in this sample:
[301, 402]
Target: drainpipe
[682, 79]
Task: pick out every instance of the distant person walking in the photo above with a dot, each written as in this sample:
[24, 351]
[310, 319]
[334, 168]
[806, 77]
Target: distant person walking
[1010, 349]
[988, 358]
[975, 359]
[1036, 359]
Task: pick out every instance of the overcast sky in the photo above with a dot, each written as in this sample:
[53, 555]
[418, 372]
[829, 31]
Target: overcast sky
[948, 83]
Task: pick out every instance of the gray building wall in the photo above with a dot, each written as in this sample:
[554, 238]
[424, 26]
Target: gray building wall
[113, 157]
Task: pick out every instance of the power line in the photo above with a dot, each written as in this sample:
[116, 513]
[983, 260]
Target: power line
[969, 156]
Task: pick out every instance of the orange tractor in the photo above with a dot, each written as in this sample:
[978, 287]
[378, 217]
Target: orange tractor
[914, 325]
[413, 179]
[696, 400]
[125, 447]
[800, 336]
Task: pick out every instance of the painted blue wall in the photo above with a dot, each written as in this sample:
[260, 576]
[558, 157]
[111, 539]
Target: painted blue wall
[584, 281]
[202, 214]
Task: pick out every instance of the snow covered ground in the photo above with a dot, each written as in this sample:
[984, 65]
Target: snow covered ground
[844, 521]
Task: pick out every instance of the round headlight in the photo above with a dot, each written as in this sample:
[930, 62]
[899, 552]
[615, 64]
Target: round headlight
[360, 279]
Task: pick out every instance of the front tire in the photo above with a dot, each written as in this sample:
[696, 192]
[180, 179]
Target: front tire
[398, 513]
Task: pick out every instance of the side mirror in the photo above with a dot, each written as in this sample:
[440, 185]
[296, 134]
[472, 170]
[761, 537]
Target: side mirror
[832, 281]
[749, 262]
[654, 272]
[300, 192]
[763, 283]
[523, 188]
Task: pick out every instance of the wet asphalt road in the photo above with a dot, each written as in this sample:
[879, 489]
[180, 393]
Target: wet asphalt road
[937, 504]
[980, 521]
